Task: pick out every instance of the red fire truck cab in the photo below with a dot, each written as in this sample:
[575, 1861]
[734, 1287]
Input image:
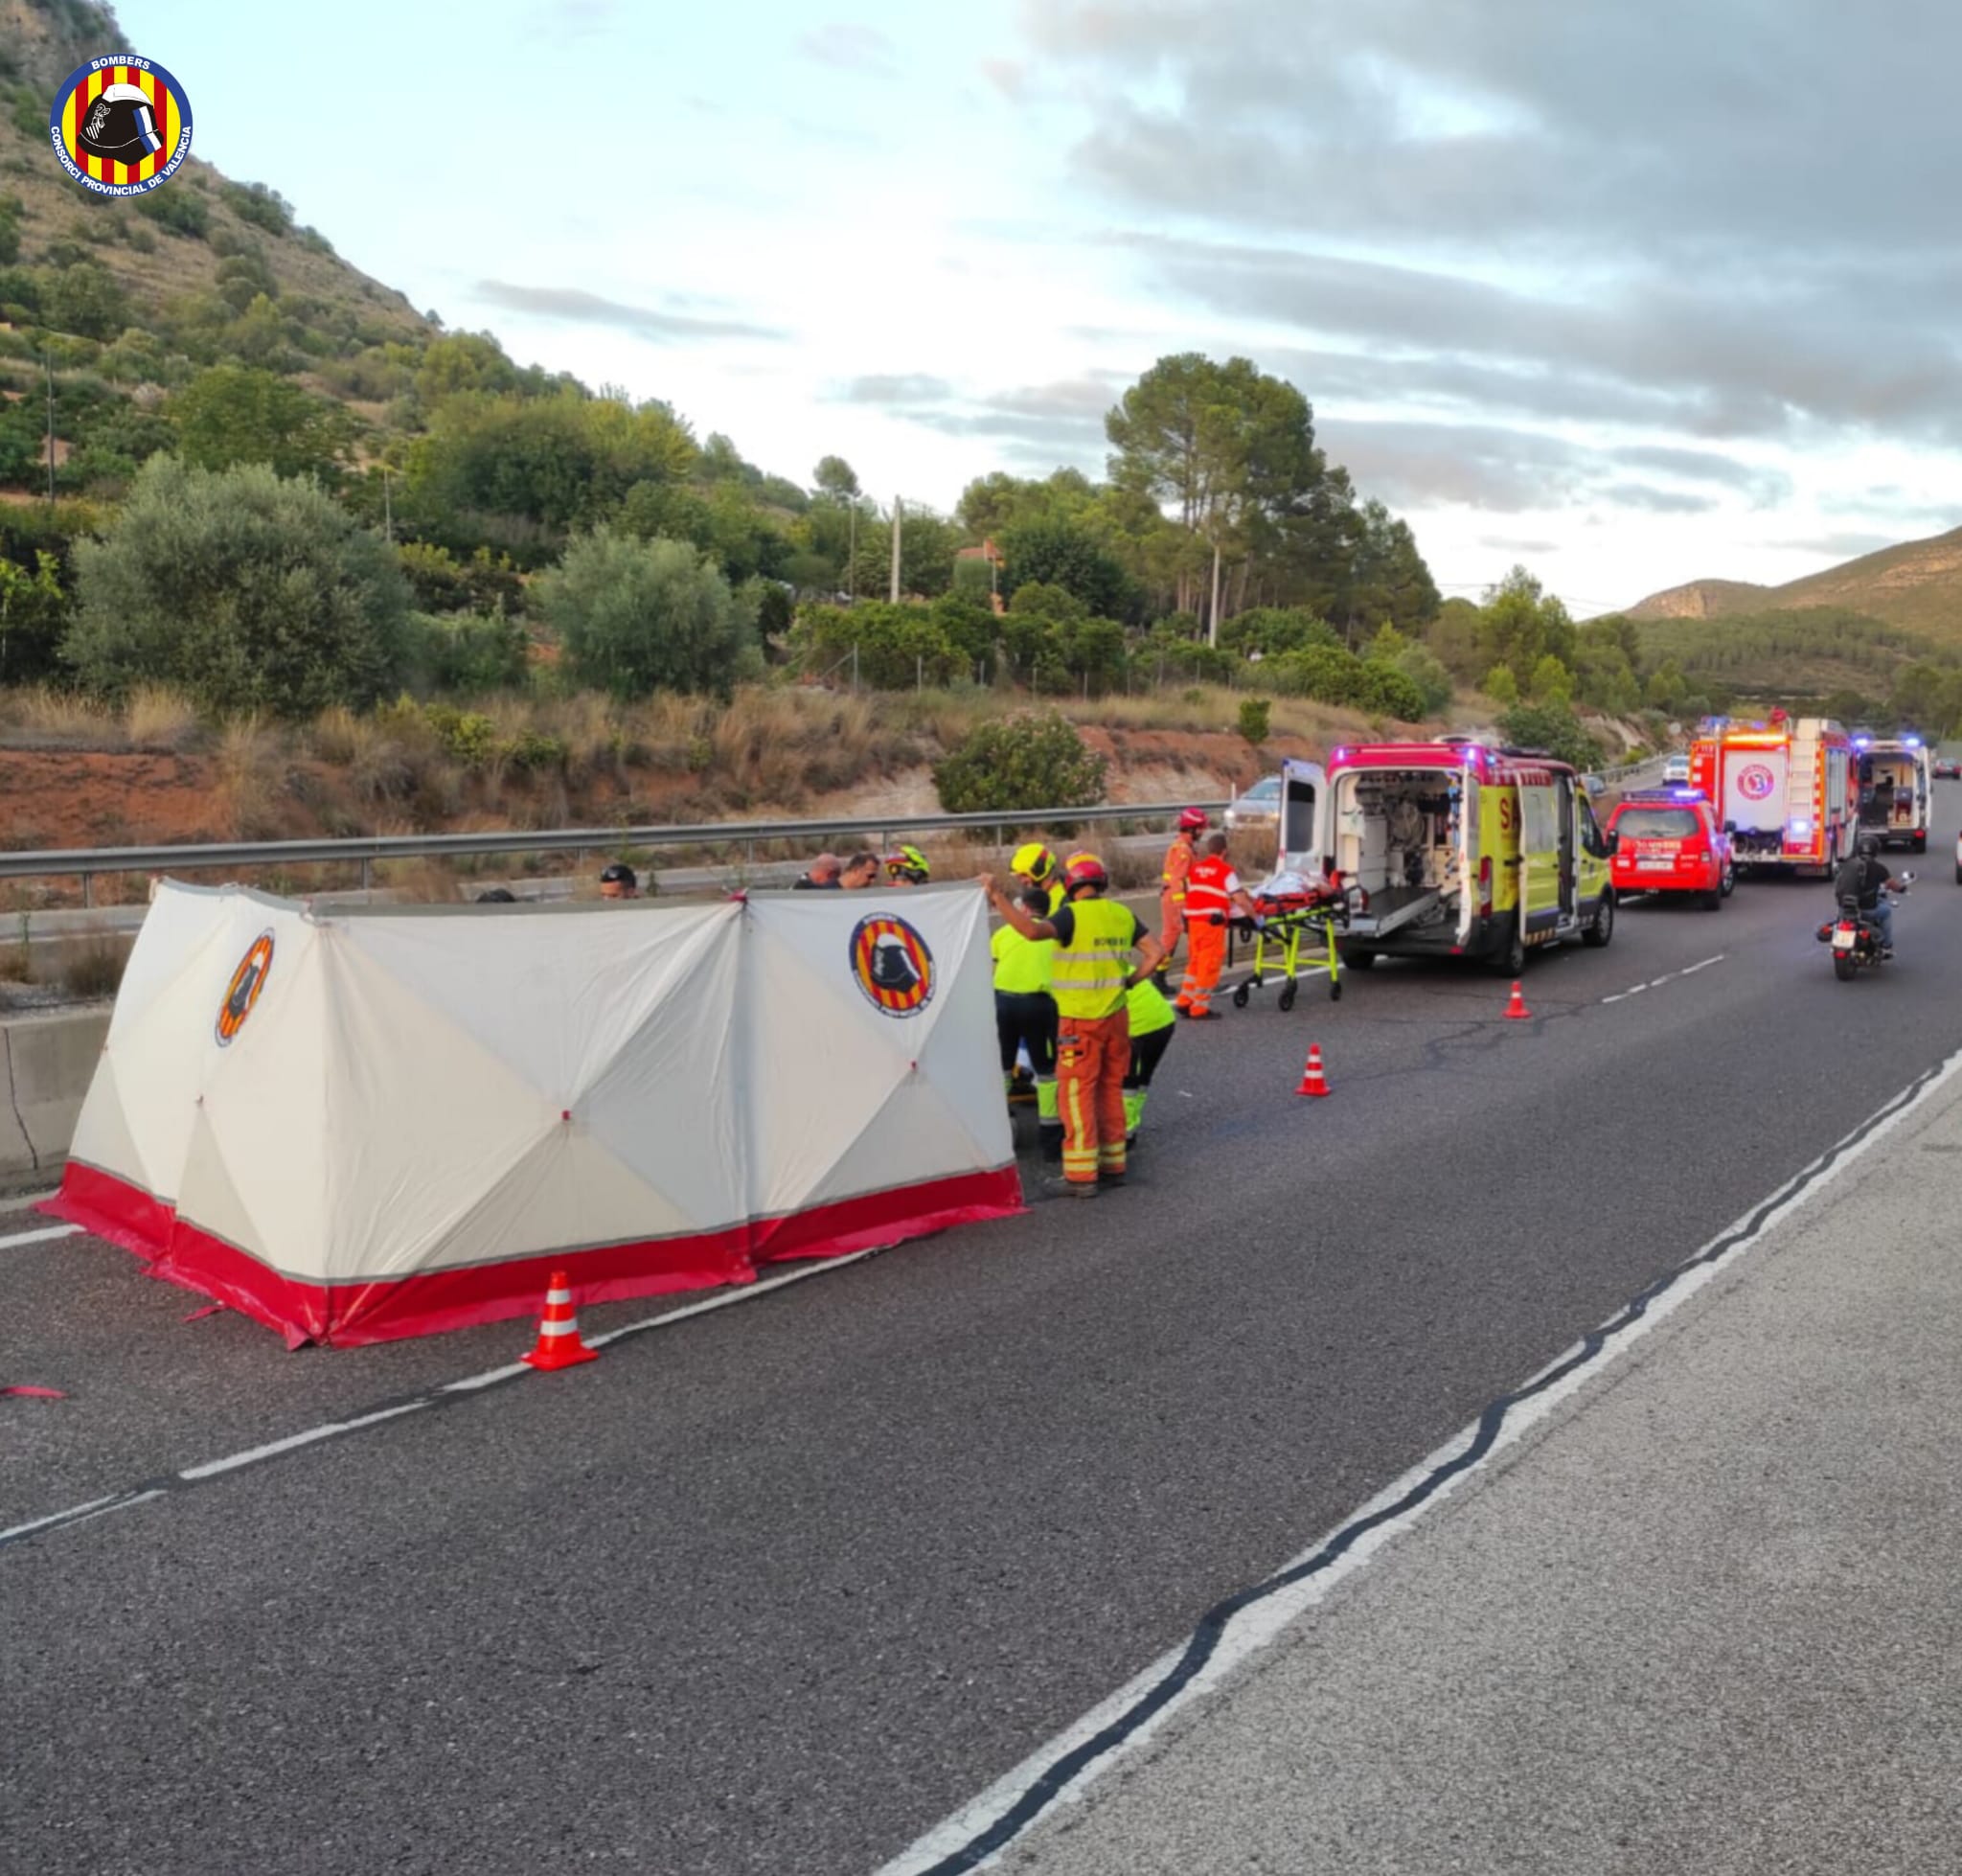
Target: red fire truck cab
[1786, 790]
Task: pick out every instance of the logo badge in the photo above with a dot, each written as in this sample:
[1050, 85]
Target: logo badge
[121, 126]
[893, 965]
[1756, 782]
[242, 992]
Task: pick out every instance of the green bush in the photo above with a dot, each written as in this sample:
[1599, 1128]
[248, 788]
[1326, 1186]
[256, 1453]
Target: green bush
[1551, 727]
[640, 616]
[1325, 673]
[466, 736]
[1256, 719]
[182, 211]
[245, 590]
[1272, 629]
[1389, 693]
[897, 647]
[470, 653]
[1017, 763]
[86, 300]
[263, 207]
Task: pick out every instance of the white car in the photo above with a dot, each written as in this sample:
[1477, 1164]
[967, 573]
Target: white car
[1259, 807]
[1675, 769]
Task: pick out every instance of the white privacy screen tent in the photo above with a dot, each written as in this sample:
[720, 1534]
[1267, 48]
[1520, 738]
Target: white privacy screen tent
[360, 1125]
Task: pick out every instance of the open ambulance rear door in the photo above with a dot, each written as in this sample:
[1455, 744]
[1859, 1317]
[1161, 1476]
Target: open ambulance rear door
[1541, 861]
[1303, 837]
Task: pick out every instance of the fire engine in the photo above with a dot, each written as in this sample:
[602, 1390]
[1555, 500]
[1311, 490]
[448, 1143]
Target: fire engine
[1786, 790]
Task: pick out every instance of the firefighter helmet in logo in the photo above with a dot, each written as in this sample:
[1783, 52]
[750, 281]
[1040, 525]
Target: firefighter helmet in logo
[1756, 782]
[893, 965]
[121, 126]
[242, 992]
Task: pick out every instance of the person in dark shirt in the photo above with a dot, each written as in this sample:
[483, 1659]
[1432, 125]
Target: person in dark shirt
[1865, 878]
[823, 876]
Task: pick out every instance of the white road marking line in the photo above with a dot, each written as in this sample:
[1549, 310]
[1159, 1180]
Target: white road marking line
[1670, 977]
[469, 1383]
[43, 1236]
[727, 1299]
[1046, 1777]
[73, 1515]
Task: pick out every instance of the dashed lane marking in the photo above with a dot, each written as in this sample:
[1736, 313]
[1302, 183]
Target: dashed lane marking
[448, 1394]
[1670, 977]
[45, 1235]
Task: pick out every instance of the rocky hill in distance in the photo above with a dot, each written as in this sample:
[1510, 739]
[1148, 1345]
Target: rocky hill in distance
[1916, 587]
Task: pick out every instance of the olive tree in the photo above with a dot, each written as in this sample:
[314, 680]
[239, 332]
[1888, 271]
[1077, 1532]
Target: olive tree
[250, 591]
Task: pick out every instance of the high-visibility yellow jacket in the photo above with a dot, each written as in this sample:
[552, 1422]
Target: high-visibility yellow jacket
[1021, 965]
[1148, 1010]
[1088, 974]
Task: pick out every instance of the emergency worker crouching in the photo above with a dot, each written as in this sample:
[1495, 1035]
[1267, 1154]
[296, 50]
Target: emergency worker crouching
[1090, 976]
[1025, 1017]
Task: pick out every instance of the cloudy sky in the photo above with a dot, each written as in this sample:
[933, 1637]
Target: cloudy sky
[1634, 293]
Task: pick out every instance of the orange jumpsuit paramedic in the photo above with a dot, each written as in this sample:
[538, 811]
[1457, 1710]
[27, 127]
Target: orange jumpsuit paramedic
[1090, 975]
[1213, 895]
[1178, 859]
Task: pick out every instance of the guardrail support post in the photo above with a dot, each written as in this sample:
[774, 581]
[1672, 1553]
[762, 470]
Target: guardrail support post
[365, 876]
[88, 890]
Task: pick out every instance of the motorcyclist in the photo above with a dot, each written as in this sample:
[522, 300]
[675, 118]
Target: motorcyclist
[1865, 879]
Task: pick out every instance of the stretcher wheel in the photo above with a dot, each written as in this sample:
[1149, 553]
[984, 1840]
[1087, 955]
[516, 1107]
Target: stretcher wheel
[1334, 990]
[1240, 996]
[1285, 999]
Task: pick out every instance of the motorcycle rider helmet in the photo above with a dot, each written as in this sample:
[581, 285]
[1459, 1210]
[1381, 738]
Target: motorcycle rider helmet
[1034, 862]
[1869, 846]
[1192, 820]
[1086, 870]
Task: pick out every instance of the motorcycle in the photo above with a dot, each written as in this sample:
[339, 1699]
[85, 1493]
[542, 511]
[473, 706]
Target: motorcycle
[1855, 937]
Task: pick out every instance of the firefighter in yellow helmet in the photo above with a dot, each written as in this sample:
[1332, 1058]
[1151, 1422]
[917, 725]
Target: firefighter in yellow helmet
[1091, 974]
[907, 867]
[1036, 864]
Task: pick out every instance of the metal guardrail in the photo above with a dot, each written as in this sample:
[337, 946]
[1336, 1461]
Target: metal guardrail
[86, 862]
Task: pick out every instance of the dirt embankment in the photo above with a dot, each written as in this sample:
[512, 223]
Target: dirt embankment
[63, 798]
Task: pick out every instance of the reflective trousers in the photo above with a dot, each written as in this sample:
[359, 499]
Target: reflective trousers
[1206, 959]
[1092, 1058]
[1171, 909]
[1146, 1052]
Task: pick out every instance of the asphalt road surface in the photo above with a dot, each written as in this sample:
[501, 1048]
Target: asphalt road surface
[778, 1587]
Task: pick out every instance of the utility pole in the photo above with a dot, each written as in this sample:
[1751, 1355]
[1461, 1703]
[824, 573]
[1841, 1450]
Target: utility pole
[47, 359]
[1213, 616]
[898, 512]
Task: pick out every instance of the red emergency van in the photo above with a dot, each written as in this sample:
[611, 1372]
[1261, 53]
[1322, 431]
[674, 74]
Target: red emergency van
[1667, 840]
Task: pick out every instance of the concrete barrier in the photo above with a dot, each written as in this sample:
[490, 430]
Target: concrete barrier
[50, 1061]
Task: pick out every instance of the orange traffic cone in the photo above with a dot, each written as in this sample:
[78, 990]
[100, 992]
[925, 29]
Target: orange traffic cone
[1517, 1010]
[558, 1343]
[1312, 1081]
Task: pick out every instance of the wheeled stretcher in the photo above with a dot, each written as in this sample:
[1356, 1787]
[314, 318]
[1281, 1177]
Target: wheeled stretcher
[1295, 912]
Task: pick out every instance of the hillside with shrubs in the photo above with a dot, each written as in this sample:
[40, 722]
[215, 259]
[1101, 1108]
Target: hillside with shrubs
[350, 570]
